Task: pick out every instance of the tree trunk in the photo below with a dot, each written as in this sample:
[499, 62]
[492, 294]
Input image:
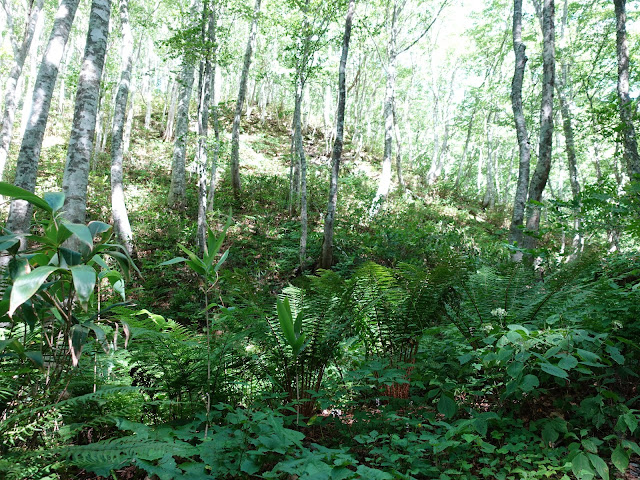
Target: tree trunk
[299, 147]
[76, 170]
[242, 91]
[524, 148]
[27, 165]
[570, 149]
[326, 261]
[384, 183]
[489, 199]
[465, 150]
[178, 189]
[10, 104]
[626, 106]
[202, 155]
[541, 174]
[121, 223]
[171, 115]
[216, 130]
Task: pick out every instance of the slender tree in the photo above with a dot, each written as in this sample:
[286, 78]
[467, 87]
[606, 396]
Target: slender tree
[522, 187]
[242, 91]
[393, 51]
[541, 174]
[76, 170]
[29, 155]
[10, 104]
[629, 140]
[178, 189]
[118, 207]
[202, 154]
[327, 246]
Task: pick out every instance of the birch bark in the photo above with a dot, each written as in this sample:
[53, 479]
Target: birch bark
[541, 174]
[121, 223]
[76, 170]
[326, 260]
[10, 104]
[242, 92]
[626, 106]
[29, 155]
[177, 191]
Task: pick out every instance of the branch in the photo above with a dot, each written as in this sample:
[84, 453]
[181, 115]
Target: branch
[426, 30]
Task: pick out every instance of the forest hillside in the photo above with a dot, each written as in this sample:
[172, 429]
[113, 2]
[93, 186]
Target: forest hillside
[319, 240]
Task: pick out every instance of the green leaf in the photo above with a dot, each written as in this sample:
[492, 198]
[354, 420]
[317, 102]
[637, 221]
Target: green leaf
[447, 406]
[84, 281]
[55, 200]
[100, 335]
[553, 370]
[97, 228]
[529, 382]
[615, 354]
[582, 467]
[372, 474]
[8, 190]
[36, 358]
[568, 362]
[81, 231]
[286, 321]
[221, 261]
[70, 257]
[173, 261]
[588, 356]
[481, 425]
[27, 285]
[620, 459]
[589, 445]
[549, 433]
[600, 465]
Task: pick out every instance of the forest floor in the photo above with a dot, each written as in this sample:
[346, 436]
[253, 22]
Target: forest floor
[457, 409]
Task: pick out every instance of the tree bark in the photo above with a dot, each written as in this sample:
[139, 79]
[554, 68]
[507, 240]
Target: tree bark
[29, 155]
[76, 171]
[524, 148]
[178, 189]
[121, 223]
[326, 261]
[242, 92]
[570, 148]
[10, 104]
[489, 199]
[384, 183]
[299, 148]
[626, 106]
[202, 155]
[541, 174]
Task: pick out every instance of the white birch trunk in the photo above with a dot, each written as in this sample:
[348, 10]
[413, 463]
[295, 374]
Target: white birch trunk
[76, 171]
[10, 104]
[27, 166]
[242, 91]
[384, 183]
[543, 167]
[178, 190]
[326, 261]
[121, 223]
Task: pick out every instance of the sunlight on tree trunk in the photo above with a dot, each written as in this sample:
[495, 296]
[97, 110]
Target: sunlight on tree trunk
[10, 104]
[76, 171]
[118, 207]
[326, 260]
[242, 91]
[29, 155]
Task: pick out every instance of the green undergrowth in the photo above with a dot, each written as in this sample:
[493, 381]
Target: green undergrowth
[424, 353]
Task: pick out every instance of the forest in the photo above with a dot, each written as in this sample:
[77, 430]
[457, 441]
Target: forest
[319, 239]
